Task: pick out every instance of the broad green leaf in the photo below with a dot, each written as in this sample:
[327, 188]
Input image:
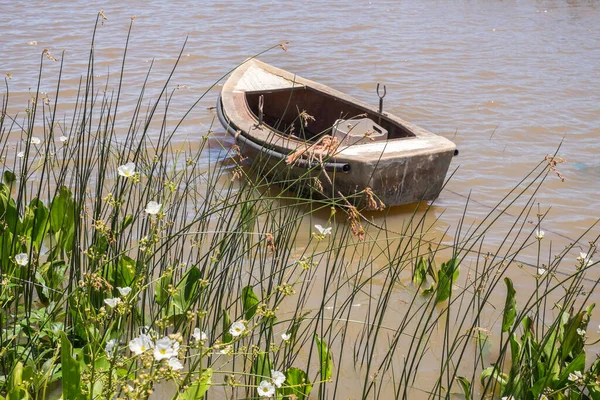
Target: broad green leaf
[515, 349]
[40, 222]
[227, 337]
[187, 290]
[510, 306]
[492, 372]
[578, 364]
[197, 389]
[71, 373]
[261, 366]
[16, 377]
[9, 177]
[250, 302]
[465, 385]
[127, 221]
[161, 291]
[325, 359]
[571, 339]
[420, 273]
[61, 210]
[446, 277]
[296, 384]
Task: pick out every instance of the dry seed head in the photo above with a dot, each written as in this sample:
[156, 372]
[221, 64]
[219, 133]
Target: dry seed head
[270, 242]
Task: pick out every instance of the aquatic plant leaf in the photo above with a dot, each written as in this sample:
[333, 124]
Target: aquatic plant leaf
[250, 302]
[465, 385]
[325, 359]
[39, 224]
[71, 375]
[510, 306]
[197, 389]
[127, 221]
[8, 211]
[227, 337]
[261, 367]
[296, 384]
[492, 372]
[9, 177]
[420, 273]
[447, 275]
[571, 338]
[578, 364]
[61, 210]
[187, 290]
[161, 291]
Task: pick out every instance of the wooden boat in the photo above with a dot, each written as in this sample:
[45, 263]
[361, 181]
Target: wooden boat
[340, 146]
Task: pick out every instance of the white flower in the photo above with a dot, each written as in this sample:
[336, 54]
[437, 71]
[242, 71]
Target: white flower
[21, 154]
[237, 328]
[286, 336]
[175, 364]
[111, 347]
[266, 389]
[112, 302]
[581, 332]
[165, 348]
[198, 335]
[541, 271]
[508, 398]
[124, 290]
[323, 231]
[543, 397]
[22, 259]
[278, 377]
[35, 140]
[575, 376]
[140, 344]
[63, 138]
[226, 350]
[153, 207]
[585, 259]
[539, 234]
[127, 170]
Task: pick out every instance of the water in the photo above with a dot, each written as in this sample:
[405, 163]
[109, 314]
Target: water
[508, 81]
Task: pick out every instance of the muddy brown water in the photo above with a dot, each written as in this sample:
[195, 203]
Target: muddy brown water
[508, 81]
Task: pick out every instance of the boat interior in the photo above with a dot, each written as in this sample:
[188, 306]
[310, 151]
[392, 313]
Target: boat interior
[308, 113]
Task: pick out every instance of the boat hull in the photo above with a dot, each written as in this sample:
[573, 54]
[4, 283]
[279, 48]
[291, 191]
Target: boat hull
[408, 168]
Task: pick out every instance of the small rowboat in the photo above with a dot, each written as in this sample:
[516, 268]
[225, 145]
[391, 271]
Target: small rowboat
[336, 144]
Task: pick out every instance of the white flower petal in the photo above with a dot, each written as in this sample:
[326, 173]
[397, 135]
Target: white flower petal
[175, 364]
[165, 349]
[141, 344]
[127, 170]
[124, 291]
[153, 207]
[278, 377]
[22, 259]
[323, 231]
[111, 347]
[286, 336]
[112, 302]
[266, 389]
[237, 328]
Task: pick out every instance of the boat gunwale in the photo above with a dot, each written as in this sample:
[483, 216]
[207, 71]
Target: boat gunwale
[423, 141]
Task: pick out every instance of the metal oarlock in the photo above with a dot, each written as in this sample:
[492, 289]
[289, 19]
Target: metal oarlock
[261, 103]
[381, 101]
